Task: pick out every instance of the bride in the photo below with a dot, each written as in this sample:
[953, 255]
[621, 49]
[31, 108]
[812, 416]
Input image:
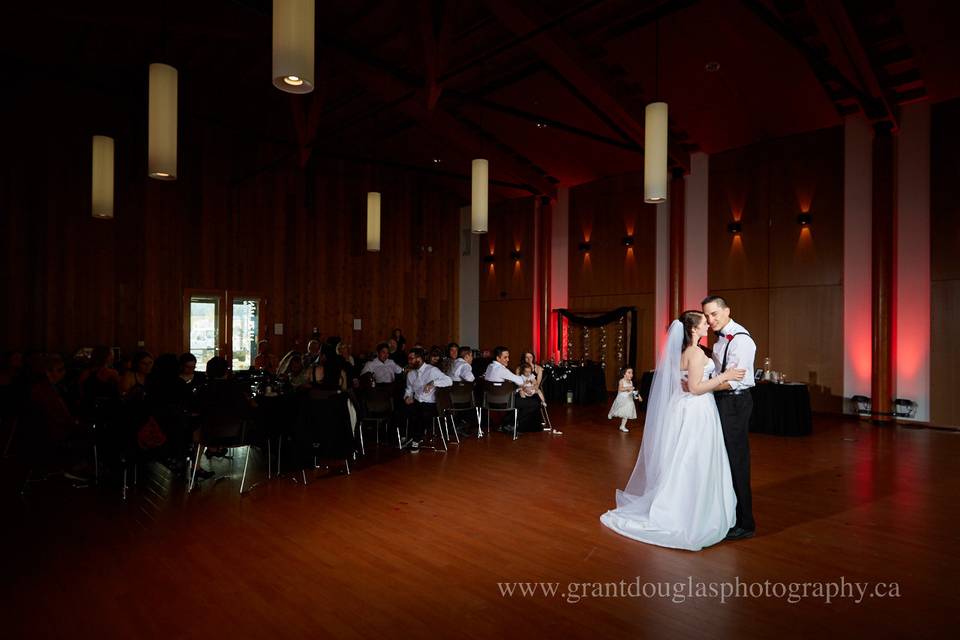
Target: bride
[680, 494]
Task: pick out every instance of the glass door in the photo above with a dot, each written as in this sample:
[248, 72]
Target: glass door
[203, 327]
[245, 329]
[211, 328]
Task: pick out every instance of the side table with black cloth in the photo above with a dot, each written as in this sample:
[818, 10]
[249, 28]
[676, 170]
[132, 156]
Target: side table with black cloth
[587, 382]
[781, 409]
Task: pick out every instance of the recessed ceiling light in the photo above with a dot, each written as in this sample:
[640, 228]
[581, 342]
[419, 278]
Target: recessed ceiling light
[436, 161]
[541, 125]
[712, 67]
[293, 81]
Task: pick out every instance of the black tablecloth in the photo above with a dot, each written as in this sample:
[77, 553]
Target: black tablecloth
[587, 382]
[781, 410]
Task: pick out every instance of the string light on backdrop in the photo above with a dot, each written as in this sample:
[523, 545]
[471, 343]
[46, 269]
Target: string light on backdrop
[603, 346]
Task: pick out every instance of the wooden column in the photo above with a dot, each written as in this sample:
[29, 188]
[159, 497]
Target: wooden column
[677, 212]
[881, 388]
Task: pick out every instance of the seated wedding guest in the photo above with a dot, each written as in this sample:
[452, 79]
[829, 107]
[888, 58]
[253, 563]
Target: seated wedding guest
[100, 380]
[527, 408]
[401, 341]
[295, 371]
[453, 352]
[462, 368]
[188, 370]
[531, 386]
[132, 382]
[328, 372]
[168, 398]
[265, 361]
[52, 425]
[420, 396]
[312, 356]
[436, 358]
[397, 354]
[11, 363]
[224, 397]
[383, 369]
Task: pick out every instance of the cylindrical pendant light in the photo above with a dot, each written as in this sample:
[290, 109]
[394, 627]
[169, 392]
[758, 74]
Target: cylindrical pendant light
[373, 221]
[655, 153]
[293, 38]
[162, 136]
[480, 187]
[102, 183]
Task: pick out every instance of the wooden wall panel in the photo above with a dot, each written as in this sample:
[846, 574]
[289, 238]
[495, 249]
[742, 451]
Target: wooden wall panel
[506, 285]
[603, 212]
[944, 265]
[234, 220]
[945, 351]
[784, 282]
[805, 338]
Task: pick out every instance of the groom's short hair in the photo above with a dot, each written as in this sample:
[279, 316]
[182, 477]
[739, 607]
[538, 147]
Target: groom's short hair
[718, 299]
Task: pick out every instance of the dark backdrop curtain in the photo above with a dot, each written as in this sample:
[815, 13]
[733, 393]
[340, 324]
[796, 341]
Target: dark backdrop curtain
[599, 320]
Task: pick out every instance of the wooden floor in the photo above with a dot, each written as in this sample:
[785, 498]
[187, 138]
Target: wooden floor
[414, 546]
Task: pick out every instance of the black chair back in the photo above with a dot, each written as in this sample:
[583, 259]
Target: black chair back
[444, 399]
[461, 396]
[376, 402]
[499, 396]
[323, 430]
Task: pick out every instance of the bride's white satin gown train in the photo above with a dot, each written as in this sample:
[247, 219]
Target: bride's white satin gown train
[693, 504]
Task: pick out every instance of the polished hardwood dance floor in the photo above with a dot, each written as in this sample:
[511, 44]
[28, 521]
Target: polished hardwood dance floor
[414, 546]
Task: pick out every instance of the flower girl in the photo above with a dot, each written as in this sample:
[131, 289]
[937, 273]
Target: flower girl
[623, 406]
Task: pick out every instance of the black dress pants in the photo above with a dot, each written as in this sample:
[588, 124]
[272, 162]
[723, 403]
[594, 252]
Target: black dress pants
[735, 413]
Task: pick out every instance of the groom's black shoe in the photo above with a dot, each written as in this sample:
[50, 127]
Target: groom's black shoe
[739, 533]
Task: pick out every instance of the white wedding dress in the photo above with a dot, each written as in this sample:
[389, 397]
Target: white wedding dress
[681, 492]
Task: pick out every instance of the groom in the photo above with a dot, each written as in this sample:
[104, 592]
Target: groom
[734, 348]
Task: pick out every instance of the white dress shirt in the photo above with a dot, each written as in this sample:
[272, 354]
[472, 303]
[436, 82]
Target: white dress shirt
[460, 370]
[418, 379]
[383, 372]
[742, 352]
[496, 372]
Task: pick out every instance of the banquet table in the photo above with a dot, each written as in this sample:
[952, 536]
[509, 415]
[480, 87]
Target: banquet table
[778, 409]
[587, 382]
[781, 409]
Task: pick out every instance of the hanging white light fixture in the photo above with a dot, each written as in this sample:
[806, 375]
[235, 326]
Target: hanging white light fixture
[480, 186]
[293, 39]
[655, 138]
[162, 128]
[373, 221]
[655, 153]
[102, 180]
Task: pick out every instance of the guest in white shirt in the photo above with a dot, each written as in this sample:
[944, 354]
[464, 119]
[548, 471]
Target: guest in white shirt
[420, 396]
[461, 370]
[527, 408]
[383, 369]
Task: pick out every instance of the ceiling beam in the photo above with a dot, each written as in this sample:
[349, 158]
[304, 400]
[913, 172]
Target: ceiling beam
[823, 70]
[561, 53]
[388, 86]
[844, 43]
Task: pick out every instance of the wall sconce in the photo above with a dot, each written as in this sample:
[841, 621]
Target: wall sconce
[584, 247]
[734, 228]
[627, 241]
[490, 259]
[515, 255]
[804, 219]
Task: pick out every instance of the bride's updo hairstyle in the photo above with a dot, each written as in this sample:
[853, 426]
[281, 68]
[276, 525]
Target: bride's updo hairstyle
[689, 320]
